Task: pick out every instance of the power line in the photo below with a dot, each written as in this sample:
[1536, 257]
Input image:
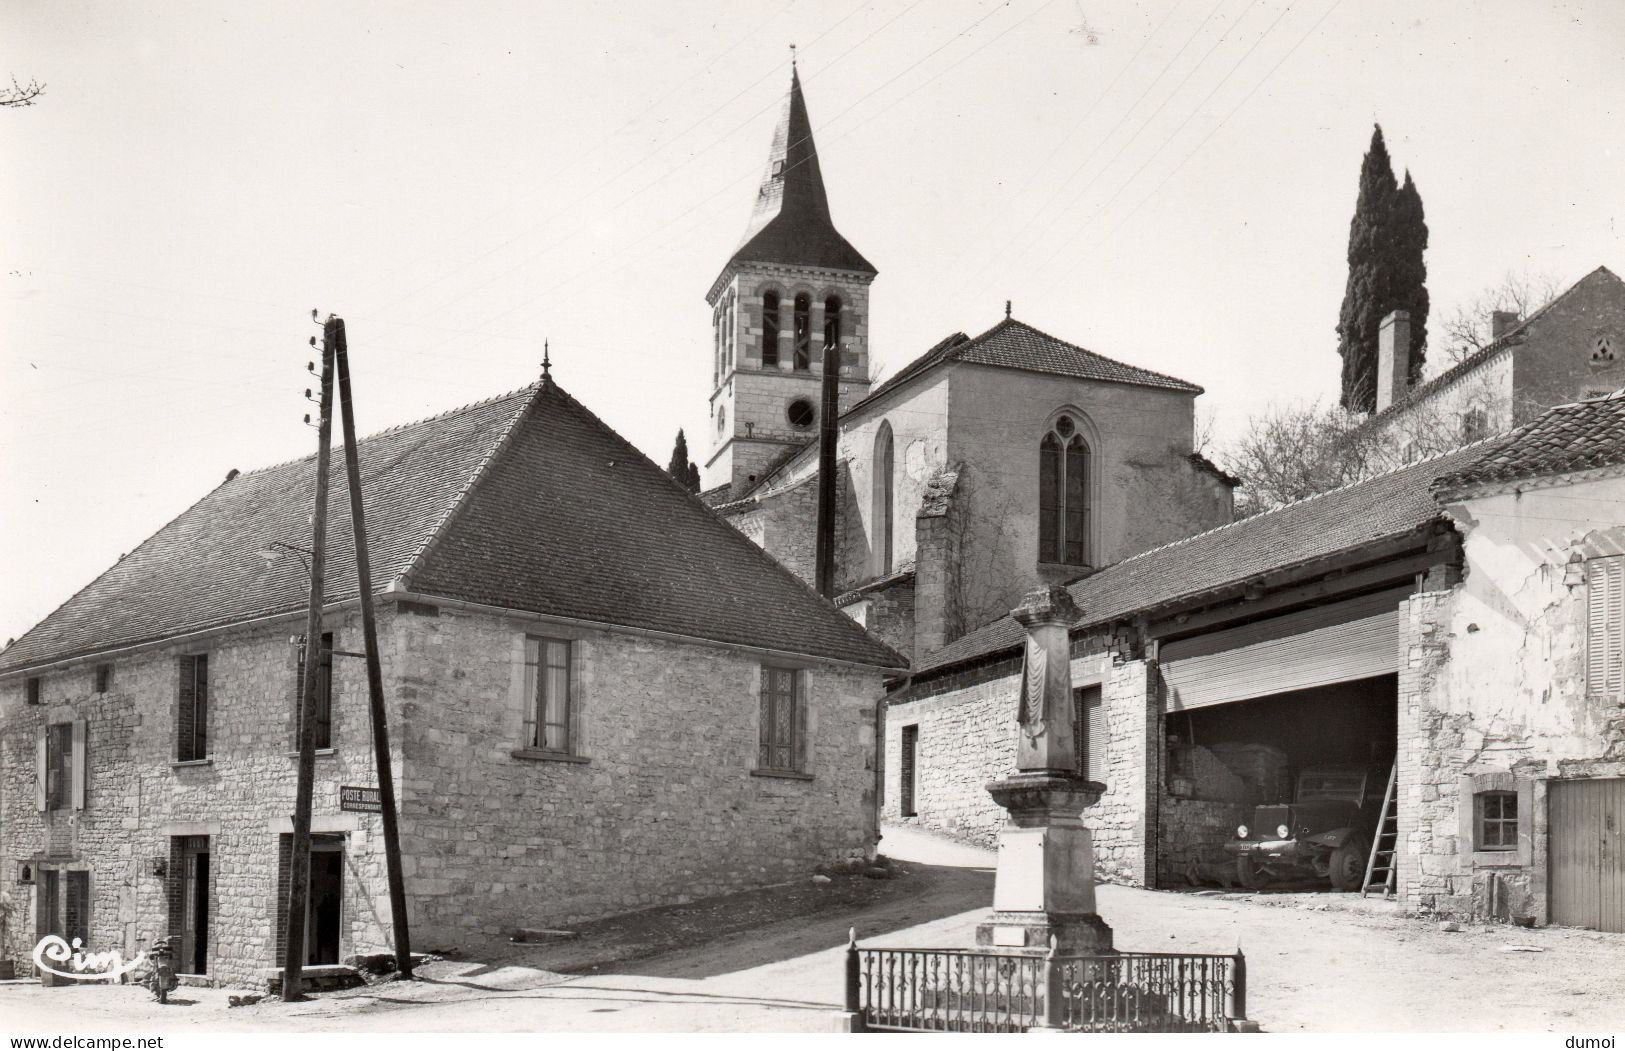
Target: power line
[574, 205]
[1043, 210]
[1197, 148]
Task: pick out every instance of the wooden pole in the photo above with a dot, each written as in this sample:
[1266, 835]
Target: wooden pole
[375, 678]
[824, 547]
[299, 861]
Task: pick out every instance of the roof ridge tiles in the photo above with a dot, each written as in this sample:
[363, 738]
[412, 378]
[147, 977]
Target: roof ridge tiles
[396, 428]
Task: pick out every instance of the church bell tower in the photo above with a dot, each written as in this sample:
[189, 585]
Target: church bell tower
[793, 289]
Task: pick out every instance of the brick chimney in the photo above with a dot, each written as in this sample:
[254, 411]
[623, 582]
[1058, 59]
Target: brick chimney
[1502, 322]
[1393, 358]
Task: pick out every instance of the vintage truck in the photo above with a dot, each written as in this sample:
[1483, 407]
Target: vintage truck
[1325, 832]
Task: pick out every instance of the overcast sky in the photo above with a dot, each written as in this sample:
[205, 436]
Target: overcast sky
[1169, 184]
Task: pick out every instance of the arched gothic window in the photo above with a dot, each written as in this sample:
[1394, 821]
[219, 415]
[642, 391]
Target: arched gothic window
[832, 322]
[803, 322]
[1063, 495]
[883, 493]
[770, 330]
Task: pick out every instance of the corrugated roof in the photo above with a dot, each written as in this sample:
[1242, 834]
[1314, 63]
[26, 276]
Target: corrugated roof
[1323, 525]
[1583, 436]
[526, 501]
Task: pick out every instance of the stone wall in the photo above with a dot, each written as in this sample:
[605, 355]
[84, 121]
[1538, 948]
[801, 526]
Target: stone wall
[1191, 834]
[664, 805]
[138, 797]
[666, 809]
[967, 738]
[1493, 697]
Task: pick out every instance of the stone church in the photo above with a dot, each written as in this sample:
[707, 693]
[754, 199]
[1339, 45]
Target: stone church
[982, 467]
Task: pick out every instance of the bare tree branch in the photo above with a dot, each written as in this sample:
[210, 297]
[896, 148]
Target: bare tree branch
[21, 94]
[1467, 329]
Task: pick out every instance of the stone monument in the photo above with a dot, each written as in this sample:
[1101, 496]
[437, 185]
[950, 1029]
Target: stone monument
[1045, 883]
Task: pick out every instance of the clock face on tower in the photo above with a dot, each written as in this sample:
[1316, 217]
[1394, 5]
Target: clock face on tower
[722, 420]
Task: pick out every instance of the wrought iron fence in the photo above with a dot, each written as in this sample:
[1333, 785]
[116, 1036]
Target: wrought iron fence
[987, 991]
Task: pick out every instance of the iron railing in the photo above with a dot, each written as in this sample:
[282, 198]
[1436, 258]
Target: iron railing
[988, 991]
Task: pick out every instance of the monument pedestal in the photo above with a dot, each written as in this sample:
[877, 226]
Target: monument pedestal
[1044, 888]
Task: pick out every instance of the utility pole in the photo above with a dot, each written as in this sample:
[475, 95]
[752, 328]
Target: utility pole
[824, 548]
[375, 678]
[299, 862]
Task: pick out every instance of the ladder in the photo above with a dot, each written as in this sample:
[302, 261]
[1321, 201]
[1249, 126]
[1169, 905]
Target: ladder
[1379, 868]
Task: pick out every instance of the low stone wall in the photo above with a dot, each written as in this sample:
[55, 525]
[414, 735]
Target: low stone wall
[1191, 835]
[967, 738]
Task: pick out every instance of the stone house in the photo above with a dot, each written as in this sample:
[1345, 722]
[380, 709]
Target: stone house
[1569, 349]
[601, 696]
[1457, 622]
[982, 467]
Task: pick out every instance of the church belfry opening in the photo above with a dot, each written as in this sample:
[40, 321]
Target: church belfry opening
[794, 289]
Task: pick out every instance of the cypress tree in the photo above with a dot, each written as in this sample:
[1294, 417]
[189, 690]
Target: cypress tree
[681, 468]
[1387, 240]
[1409, 288]
[1366, 291]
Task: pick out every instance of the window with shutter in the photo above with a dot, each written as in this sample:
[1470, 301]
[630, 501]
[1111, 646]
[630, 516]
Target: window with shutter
[908, 789]
[324, 693]
[59, 766]
[192, 709]
[1089, 732]
[1605, 626]
[782, 733]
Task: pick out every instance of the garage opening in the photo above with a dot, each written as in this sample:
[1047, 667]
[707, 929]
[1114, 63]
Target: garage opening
[1323, 754]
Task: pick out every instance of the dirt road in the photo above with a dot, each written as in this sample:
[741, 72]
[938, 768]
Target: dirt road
[1317, 962]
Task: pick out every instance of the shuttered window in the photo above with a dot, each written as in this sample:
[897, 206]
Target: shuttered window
[192, 709]
[61, 766]
[910, 764]
[1605, 626]
[783, 725]
[58, 765]
[324, 693]
[1089, 732]
[548, 685]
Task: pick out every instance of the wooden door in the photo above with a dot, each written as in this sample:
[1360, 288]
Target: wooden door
[1586, 837]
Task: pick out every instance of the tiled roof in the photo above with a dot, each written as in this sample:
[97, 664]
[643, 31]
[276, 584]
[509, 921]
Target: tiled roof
[1582, 436]
[573, 521]
[203, 570]
[1014, 344]
[527, 501]
[1341, 520]
[791, 223]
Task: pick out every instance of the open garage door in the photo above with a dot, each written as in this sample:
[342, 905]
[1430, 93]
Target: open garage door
[1339, 642]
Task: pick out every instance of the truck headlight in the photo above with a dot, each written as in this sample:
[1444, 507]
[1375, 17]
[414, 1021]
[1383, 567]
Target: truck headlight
[1241, 831]
[1282, 832]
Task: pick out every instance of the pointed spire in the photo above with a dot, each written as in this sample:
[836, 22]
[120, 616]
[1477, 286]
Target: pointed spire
[547, 363]
[791, 221]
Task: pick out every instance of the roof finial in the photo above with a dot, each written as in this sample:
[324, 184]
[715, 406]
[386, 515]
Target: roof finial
[547, 363]
[1006, 308]
[792, 56]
